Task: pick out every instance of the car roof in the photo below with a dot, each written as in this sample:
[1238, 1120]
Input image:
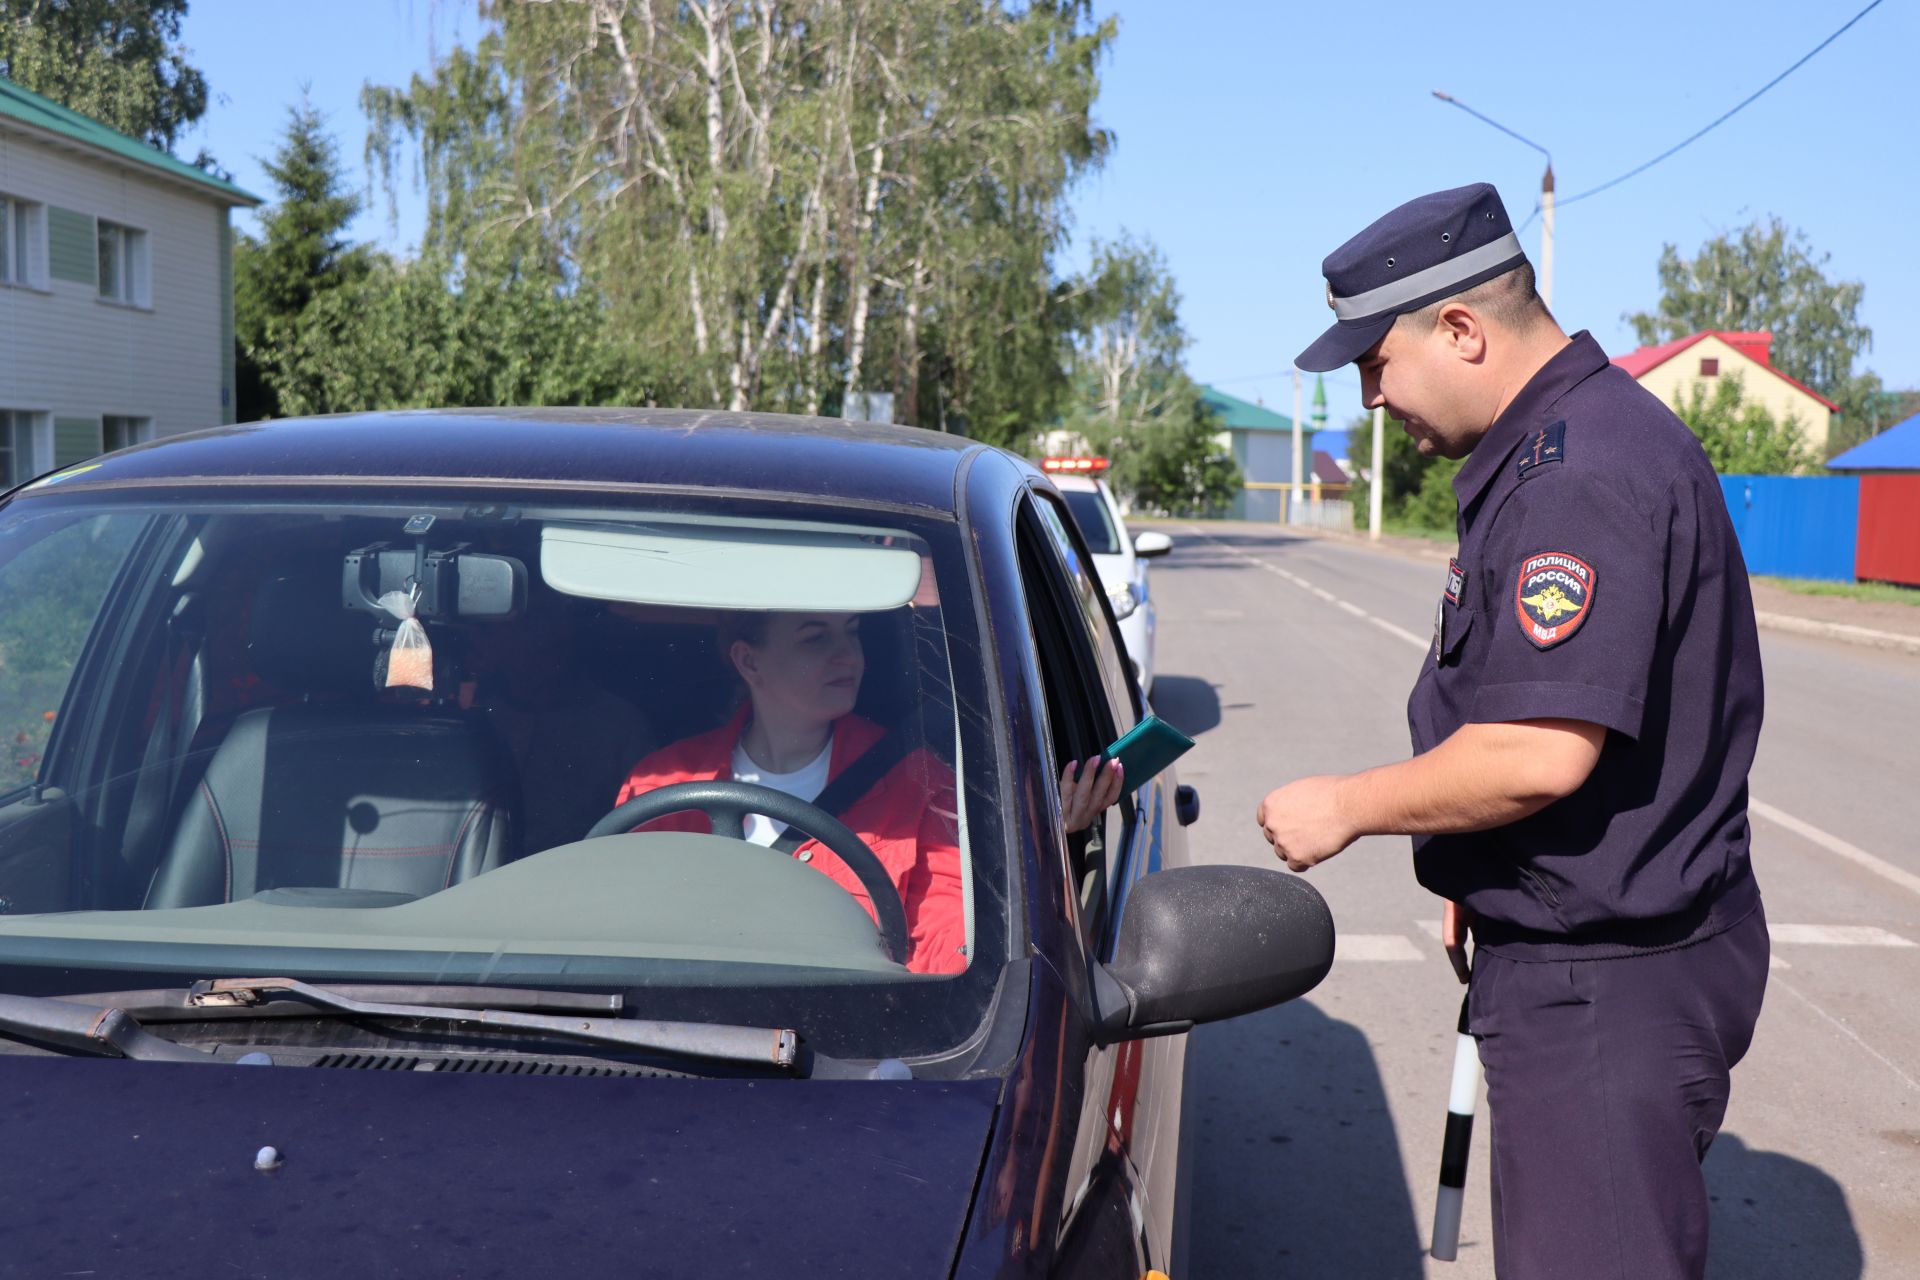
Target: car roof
[862, 463]
[1072, 483]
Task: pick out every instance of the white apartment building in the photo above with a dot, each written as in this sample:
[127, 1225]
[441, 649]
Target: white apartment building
[116, 290]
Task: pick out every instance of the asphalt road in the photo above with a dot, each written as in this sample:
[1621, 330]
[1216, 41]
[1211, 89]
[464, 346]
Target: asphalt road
[1317, 1125]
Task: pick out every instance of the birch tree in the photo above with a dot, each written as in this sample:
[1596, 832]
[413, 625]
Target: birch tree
[775, 203]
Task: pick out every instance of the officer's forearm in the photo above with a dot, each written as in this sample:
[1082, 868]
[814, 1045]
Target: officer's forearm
[1484, 776]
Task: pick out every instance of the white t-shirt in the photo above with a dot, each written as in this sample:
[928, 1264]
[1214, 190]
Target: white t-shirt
[805, 783]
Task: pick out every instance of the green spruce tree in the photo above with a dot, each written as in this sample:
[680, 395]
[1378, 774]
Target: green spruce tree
[301, 254]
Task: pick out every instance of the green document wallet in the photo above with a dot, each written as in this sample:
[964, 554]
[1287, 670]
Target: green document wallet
[1146, 749]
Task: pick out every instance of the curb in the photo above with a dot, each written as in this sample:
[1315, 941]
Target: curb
[1839, 631]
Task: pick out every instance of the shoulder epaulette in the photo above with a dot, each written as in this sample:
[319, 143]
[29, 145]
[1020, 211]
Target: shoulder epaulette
[1549, 444]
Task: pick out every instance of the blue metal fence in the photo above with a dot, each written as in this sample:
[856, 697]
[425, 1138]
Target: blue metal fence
[1796, 526]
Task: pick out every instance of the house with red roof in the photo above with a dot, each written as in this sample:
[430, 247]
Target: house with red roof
[1673, 369]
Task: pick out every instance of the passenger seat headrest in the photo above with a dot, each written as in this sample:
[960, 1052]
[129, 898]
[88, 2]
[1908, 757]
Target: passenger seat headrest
[301, 639]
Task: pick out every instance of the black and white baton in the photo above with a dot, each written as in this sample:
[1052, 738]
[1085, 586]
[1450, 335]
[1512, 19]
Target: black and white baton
[1453, 1150]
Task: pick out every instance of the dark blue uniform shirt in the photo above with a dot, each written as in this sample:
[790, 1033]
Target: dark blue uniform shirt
[1598, 579]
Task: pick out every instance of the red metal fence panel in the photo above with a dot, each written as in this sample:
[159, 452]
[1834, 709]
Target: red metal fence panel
[1889, 547]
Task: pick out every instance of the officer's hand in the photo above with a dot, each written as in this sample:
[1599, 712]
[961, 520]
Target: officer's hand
[1087, 790]
[1455, 921]
[1304, 823]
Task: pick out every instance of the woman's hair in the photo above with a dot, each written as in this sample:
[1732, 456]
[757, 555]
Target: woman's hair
[742, 624]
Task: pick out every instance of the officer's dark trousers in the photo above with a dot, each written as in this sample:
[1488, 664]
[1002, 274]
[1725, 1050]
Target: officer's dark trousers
[1607, 1081]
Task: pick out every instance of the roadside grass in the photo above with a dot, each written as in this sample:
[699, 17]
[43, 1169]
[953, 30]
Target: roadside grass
[1879, 592]
[1408, 529]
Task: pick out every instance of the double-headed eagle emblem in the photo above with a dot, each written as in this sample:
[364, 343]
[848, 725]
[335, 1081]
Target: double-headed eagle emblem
[1550, 603]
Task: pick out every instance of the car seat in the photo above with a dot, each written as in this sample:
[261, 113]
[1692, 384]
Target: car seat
[345, 797]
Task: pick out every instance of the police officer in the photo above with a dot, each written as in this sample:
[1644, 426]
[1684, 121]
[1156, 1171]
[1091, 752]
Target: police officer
[1578, 789]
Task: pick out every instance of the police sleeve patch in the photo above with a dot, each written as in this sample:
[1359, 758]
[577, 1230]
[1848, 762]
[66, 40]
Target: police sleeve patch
[1553, 597]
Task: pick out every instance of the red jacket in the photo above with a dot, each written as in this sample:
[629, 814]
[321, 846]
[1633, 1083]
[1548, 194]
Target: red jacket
[909, 818]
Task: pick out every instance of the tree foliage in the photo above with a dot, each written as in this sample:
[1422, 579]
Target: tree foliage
[1768, 277]
[301, 254]
[1402, 463]
[1742, 438]
[423, 333]
[119, 61]
[771, 203]
[1129, 395]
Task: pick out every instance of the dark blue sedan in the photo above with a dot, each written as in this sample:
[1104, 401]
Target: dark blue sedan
[681, 792]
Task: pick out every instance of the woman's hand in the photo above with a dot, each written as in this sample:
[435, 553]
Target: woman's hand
[1086, 790]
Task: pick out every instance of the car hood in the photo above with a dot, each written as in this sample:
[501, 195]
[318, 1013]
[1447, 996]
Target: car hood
[147, 1169]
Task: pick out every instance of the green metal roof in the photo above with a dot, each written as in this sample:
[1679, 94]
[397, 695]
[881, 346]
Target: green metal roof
[1236, 414]
[30, 108]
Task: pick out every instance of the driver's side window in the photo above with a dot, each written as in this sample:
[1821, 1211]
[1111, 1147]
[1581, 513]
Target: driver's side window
[1083, 718]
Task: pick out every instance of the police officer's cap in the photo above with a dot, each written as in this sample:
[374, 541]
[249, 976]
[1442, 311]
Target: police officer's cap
[1428, 249]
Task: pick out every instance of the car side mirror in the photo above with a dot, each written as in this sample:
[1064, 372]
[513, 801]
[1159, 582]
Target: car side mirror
[1198, 944]
[1152, 544]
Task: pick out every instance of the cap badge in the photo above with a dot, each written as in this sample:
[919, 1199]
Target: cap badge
[1330, 304]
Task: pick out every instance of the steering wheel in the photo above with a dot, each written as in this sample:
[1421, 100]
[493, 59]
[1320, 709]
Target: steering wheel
[727, 804]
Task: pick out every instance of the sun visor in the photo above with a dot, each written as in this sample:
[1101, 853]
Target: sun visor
[717, 567]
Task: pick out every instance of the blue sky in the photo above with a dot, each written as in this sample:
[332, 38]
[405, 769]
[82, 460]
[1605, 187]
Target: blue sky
[1253, 137]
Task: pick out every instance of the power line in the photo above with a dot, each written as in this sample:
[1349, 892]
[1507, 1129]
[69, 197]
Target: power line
[1453, 101]
[1742, 105]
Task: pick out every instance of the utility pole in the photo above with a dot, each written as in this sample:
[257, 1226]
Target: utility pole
[1379, 479]
[1293, 495]
[1546, 237]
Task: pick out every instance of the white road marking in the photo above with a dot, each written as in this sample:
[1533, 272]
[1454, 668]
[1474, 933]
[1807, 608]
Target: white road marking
[1835, 845]
[1432, 929]
[1399, 633]
[1835, 935]
[1848, 1032]
[1374, 946]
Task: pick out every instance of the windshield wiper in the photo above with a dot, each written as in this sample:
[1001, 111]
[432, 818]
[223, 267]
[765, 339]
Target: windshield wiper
[173, 1004]
[765, 1046]
[106, 1031]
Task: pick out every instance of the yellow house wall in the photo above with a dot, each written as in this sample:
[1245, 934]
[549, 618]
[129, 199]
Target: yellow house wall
[1677, 377]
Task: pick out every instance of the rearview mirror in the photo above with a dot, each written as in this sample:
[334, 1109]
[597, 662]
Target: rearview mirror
[1198, 944]
[1151, 544]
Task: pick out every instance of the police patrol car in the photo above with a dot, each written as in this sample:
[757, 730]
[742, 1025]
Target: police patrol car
[1120, 559]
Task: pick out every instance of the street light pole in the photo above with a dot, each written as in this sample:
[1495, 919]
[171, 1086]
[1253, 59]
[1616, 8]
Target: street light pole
[1543, 277]
[1379, 480]
[1293, 495]
[1546, 237]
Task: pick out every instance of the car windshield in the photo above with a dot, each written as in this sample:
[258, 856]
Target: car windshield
[343, 735]
[1089, 508]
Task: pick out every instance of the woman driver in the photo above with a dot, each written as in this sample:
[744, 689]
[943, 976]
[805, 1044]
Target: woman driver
[797, 732]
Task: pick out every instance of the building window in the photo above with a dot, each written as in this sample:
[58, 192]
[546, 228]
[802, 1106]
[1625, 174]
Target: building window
[123, 264]
[121, 433]
[1709, 366]
[22, 451]
[21, 226]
